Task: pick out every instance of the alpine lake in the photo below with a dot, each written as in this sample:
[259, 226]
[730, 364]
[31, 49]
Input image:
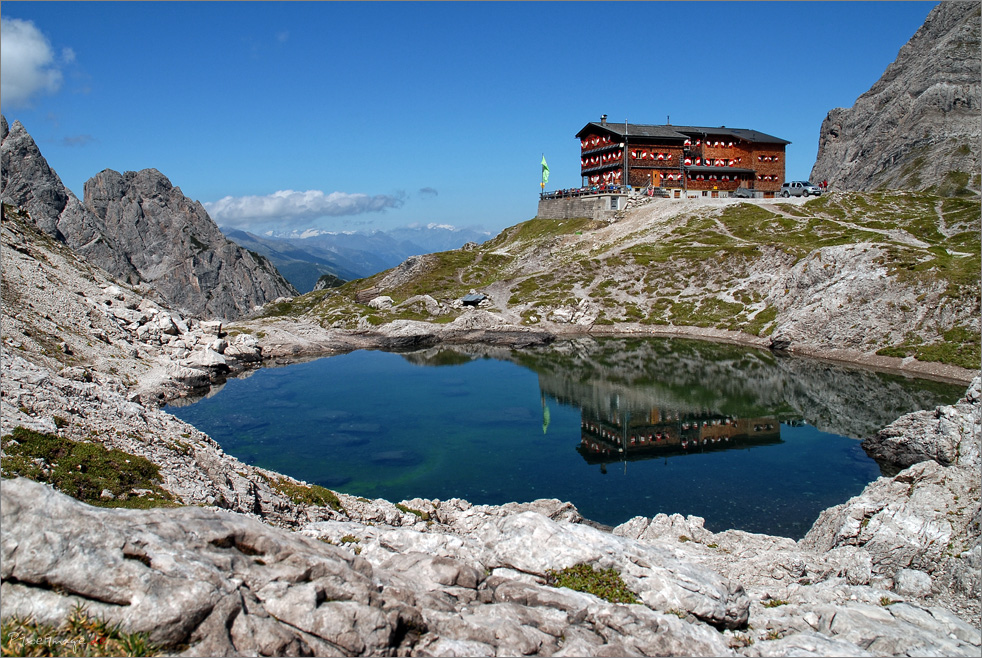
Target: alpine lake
[620, 427]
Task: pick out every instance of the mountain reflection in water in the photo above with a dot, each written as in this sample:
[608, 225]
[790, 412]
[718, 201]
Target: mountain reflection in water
[738, 436]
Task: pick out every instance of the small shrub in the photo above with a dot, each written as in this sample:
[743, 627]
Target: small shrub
[605, 583]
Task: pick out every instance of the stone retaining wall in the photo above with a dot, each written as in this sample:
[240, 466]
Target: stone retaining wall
[597, 207]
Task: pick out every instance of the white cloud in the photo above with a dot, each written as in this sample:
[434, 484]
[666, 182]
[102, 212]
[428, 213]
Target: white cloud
[289, 207]
[29, 66]
[78, 140]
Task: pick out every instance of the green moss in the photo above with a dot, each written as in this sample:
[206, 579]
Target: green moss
[307, 494]
[425, 516]
[774, 603]
[79, 635]
[84, 470]
[761, 320]
[602, 583]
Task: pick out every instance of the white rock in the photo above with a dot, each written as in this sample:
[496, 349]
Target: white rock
[382, 302]
[911, 582]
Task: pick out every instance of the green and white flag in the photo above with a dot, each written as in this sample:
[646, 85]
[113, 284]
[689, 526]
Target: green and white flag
[545, 171]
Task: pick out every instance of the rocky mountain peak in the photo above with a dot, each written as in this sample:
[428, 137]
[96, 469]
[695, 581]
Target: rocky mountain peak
[177, 248]
[141, 229]
[918, 127]
[30, 183]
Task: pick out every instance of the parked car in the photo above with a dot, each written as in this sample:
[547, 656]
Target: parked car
[800, 188]
[743, 193]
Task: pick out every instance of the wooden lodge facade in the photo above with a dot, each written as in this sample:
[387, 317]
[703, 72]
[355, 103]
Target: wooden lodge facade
[680, 157]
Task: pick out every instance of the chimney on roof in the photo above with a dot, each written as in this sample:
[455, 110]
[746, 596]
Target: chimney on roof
[603, 119]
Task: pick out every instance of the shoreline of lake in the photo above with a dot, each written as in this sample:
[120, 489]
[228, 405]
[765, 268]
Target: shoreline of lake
[393, 421]
[282, 339]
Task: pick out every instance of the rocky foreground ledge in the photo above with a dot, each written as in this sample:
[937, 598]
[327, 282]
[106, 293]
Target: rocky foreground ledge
[894, 571]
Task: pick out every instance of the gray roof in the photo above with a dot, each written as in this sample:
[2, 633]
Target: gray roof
[679, 133]
[634, 130]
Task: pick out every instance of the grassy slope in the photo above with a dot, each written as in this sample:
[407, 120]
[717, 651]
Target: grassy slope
[709, 266]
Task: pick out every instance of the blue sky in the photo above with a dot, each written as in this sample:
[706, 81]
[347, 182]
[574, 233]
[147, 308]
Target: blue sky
[344, 116]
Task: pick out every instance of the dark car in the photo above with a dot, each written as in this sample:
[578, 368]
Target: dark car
[742, 193]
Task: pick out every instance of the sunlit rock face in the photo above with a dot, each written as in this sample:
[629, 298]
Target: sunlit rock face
[178, 249]
[919, 126]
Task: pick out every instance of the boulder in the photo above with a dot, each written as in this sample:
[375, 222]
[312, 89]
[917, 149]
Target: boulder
[947, 435]
[382, 302]
[222, 583]
[910, 582]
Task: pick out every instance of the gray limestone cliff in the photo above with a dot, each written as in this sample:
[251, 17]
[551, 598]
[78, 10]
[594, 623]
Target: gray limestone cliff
[143, 231]
[918, 126]
[178, 249]
[30, 183]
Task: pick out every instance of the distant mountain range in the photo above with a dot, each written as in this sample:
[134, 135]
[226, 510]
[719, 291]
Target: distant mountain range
[302, 258]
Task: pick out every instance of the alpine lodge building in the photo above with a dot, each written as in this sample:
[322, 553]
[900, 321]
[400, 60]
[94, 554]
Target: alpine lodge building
[680, 159]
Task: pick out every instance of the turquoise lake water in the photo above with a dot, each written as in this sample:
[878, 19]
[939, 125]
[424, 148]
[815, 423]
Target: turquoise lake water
[618, 427]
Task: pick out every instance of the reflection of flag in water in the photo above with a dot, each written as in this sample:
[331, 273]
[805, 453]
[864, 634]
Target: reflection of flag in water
[545, 415]
[545, 171]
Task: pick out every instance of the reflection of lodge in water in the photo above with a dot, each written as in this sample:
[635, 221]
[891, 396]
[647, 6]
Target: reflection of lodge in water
[624, 436]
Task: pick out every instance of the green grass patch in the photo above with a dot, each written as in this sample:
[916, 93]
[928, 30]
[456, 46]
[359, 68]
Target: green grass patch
[79, 635]
[954, 184]
[606, 584]
[84, 470]
[538, 229]
[761, 320]
[774, 603]
[961, 347]
[425, 516]
[307, 494]
[295, 307]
